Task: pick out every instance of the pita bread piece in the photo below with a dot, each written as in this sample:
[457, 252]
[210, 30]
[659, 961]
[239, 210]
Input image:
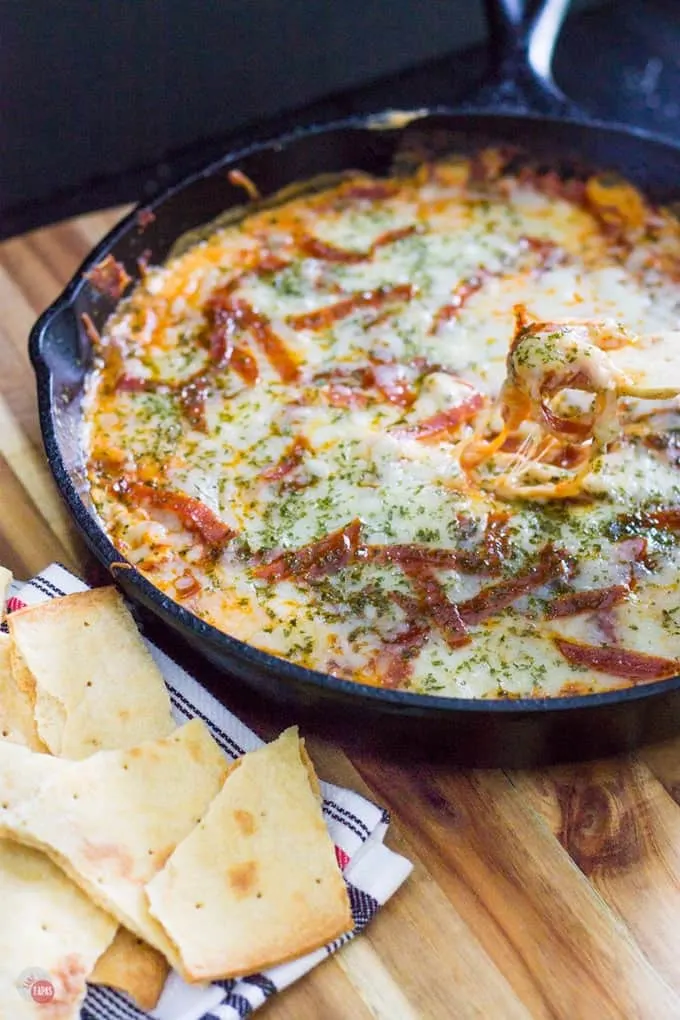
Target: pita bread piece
[113, 819]
[50, 929]
[22, 773]
[256, 883]
[130, 965]
[5, 581]
[16, 710]
[96, 686]
[24, 685]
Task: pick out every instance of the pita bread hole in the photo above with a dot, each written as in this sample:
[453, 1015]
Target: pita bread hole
[199, 906]
[242, 878]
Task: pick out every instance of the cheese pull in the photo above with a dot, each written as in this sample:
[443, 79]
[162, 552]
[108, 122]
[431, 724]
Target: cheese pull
[645, 366]
[544, 361]
[548, 365]
[649, 367]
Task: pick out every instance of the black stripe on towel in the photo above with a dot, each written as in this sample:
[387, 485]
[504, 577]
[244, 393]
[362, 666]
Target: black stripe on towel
[240, 1004]
[102, 1003]
[357, 823]
[265, 984]
[46, 587]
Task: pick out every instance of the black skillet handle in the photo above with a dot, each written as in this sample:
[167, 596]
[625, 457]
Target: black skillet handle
[522, 42]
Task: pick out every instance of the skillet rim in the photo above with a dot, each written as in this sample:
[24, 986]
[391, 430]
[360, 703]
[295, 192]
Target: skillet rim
[162, 605]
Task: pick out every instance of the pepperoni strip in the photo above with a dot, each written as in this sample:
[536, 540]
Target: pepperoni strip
[133, 384]
[579, 426]
[224, 353]
[190, 394]
[192, 397]
[109, 277]
[497, 541]
[194, 515]
[346, 387]
[390, 379]
[254, 263]
[407, 555]
[315, 248]
[436, 606]
[667, 518]
[594, 600]
[233, 315]
[316, 560]
[461, 295]
[665, 443]
[342, 395]
[353, 192]
[552, 564]
[443, 422]
[290, 460]
[549, 253]
[370, 191]
[394, 662]
[621, 662]
[245, 365]
[322, 250]
[630, 525]
[552, 184]
[187, 585]
[606, 625]
[324, 317]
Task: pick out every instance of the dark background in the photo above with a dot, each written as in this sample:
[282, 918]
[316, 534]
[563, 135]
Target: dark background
[104, 101]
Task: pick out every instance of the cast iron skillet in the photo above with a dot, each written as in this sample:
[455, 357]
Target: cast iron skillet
[518, 104]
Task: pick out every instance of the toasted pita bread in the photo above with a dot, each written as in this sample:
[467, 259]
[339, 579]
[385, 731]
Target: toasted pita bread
[22, 773]
[256, 883]
[130, 965]
[58, 929]
[5, 581]
[112, 820]
[50, 929]
[94, 683]
[16, 710]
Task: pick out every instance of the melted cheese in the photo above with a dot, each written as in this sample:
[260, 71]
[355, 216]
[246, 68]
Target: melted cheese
[429, 274]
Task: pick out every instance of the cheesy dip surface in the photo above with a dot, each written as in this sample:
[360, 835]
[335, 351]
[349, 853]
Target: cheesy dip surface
[279, 426]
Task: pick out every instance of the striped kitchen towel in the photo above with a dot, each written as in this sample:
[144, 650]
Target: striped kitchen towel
[373, 872]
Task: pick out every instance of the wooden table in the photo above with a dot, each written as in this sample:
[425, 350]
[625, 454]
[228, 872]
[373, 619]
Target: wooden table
[537, 894]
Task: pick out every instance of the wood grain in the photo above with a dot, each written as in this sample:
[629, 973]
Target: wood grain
[551, 894]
